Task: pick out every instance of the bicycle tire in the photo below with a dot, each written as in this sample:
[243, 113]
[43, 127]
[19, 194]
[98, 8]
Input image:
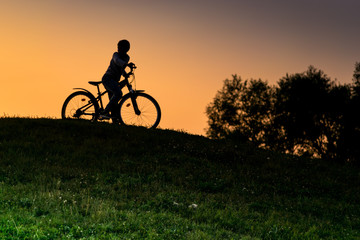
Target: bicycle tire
[80, 105]
[150, 111]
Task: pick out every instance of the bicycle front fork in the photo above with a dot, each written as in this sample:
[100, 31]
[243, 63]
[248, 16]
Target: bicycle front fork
[136, 108]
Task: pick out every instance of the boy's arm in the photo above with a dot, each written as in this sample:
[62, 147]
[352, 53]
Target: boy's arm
[119, 61]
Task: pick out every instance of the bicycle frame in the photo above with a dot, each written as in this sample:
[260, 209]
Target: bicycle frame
[98, 98]
[99, 95]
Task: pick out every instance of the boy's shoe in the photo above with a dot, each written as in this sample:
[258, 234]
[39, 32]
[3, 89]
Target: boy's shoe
[104, 116]
[115, 121]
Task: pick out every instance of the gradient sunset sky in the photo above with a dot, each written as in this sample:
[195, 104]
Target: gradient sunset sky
[184, 49]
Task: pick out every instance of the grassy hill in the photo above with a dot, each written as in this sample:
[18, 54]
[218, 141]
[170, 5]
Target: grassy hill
[80, 180]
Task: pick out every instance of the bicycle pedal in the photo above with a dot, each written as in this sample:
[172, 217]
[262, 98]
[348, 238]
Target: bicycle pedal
[104, 117]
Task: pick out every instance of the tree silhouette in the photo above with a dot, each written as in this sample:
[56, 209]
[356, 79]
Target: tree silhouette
[223, 111]
[302, 104]
[356, 74]
[241, 109]
[350, 139]
[307, 113]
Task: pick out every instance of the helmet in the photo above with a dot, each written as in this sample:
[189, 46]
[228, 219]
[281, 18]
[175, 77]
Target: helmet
[123, 46]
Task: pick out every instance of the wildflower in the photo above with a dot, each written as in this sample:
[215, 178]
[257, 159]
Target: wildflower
[193, 206]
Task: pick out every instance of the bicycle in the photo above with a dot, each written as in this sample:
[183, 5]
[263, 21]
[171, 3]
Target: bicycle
[136, 107]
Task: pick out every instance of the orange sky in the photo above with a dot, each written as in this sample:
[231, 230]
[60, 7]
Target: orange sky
[184, 50]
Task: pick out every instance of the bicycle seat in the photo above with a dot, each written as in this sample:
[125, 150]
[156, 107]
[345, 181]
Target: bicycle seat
[95, 83]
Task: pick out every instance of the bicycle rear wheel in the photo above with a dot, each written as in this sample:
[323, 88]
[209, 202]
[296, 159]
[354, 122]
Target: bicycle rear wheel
[149, 115]
[80, 105]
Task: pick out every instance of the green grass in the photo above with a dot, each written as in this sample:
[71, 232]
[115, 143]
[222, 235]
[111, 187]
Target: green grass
[80, 180]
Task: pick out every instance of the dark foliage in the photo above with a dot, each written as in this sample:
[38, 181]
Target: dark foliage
[242, 109]
[306, 114]
[308, 111]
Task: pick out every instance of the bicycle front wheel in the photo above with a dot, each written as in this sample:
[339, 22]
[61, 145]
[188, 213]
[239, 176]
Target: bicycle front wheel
[149, 113]
[79, 105]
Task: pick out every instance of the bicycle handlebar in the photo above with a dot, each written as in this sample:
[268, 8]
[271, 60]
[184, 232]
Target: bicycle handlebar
[132, 66]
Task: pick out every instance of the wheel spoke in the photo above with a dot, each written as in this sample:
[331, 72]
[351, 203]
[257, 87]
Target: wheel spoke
[79, 106]
[149, 112]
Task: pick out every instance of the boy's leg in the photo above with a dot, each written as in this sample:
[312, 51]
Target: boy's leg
[115, 95]
[115, 110]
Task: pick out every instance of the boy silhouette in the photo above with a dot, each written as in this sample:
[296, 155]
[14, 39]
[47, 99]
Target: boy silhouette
[112, 77]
